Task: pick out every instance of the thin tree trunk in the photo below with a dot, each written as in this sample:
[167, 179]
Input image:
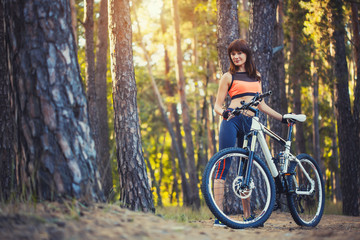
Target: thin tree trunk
[210, 114]
[6, 121]
[162, 106]
[55, 154]
[199, 135]
[103, 153]
[156, 183]
[73, 19]
[297, 69]
[356, 114]
[348, 138]
[316, 128]
[355, 26]
[194, 191]
[335, 161]
[90, 77]
[244, 31]
[175, 120]
[134, 186]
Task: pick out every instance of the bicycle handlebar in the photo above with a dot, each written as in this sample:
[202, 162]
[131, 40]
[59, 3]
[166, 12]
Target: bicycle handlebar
[254, 102]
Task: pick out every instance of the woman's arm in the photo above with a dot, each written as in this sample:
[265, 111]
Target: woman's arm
[224, 83]
[269, 111]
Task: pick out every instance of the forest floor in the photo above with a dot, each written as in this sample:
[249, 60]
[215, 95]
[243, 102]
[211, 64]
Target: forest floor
[101, 221]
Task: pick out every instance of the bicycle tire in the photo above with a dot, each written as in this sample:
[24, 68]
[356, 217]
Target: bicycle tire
[262, 195]
[306, 210]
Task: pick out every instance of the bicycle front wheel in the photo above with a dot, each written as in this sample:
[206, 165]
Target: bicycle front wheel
[232, 203]
[307, 193]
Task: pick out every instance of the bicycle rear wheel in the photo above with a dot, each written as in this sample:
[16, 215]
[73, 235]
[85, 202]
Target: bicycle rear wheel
[229, 202]
[306, 206]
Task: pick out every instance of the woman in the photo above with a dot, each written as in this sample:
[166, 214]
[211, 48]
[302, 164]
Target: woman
[242, 82]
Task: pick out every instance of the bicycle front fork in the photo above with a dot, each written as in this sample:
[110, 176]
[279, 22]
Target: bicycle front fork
[245, 167]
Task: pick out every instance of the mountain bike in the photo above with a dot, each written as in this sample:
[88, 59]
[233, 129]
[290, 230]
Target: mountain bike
[255, 185]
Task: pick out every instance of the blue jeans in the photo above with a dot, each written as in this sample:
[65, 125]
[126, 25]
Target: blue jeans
[230, 131]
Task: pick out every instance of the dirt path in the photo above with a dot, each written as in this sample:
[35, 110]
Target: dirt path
[53, 221]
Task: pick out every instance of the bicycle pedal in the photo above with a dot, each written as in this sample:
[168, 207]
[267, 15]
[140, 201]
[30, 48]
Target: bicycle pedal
[276, 207]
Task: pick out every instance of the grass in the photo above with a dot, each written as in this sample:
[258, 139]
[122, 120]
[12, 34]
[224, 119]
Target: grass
[187, 214]
[332, 208]
[184, 214]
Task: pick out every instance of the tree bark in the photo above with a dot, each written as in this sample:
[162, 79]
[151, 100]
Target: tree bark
[316, 127]
[73, 19]
[355, 26]
[90, 77]
[134, 186]
[278, 100]
[104, 164]
[356, 33]
[193, 178]
[348, 138]
[297, 68]
[262, 22]
[54, 150]
[227, 30]
[6, 121]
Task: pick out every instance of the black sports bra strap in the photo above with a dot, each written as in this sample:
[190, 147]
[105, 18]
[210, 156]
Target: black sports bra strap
[232, 80]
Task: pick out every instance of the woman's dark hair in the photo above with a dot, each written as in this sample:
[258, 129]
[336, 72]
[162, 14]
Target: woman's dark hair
[241, 45]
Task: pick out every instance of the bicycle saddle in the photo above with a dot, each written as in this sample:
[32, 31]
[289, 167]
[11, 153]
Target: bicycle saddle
[295, 117]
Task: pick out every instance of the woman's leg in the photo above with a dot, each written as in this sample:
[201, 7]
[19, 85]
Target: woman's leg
[245, 129]
[219, 186]
[227, 138]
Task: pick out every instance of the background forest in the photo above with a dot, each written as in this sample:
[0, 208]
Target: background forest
[310, 64]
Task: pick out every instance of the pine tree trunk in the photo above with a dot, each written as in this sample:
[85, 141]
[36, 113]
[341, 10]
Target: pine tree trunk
[174, 117]
[278, 100]
[297, 66]
[193, 178]
[134, 185]
[90, 78]
[260, 39]
[160, 102]
[54, 150]
[73, 19]
[316, 127]
[261, 36]
[104, 164]
[6, 121]
[356, 114]
[227, 30]
[348, 138]
[355, 26]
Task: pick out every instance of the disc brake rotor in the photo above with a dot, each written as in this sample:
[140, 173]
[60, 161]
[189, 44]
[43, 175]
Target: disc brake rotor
[240, 190]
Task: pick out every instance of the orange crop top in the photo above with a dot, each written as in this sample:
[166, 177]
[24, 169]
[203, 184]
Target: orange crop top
[242, 85]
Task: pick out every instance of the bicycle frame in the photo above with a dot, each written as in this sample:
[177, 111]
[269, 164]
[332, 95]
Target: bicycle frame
[257, 132]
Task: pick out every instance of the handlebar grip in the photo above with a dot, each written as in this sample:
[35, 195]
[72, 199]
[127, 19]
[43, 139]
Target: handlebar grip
[266, 94]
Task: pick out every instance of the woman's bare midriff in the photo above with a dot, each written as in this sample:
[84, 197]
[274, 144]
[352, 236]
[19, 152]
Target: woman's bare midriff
[237, 103]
